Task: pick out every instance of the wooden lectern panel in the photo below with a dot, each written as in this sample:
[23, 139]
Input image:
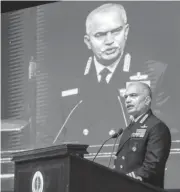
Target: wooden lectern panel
[45, 169]
[98, 178]
[63, 169]
[55, 175]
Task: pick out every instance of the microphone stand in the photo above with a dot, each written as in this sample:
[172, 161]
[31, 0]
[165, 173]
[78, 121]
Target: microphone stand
[116, 135]
[67, 120]
[101, 147]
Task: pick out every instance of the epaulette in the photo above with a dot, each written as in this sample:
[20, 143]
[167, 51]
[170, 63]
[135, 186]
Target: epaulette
[88, 65]
[127, 62]
[144, 118]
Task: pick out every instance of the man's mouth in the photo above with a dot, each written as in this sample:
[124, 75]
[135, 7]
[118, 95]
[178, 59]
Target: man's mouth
[110, 51]
[129, 106]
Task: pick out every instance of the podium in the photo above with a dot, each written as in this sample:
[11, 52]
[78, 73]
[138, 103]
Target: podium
[63, 168]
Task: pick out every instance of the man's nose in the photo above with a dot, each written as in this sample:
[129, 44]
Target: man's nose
[109, 39]
[127, 100]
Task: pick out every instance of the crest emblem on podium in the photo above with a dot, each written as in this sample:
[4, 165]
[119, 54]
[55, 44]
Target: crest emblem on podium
[37, 182]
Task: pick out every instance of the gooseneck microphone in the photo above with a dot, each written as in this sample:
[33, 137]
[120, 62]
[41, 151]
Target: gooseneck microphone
[68, 117]
[112, 137]
[116, 135]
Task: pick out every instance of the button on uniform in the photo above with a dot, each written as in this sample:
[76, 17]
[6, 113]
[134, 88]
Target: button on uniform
[123, 158]
[113, 167]
[121, 166]
[85, 132]
[134, 149]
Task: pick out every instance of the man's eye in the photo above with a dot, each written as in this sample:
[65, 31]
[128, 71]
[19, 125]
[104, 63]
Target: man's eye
[99, 34]
[133, 95]
[117, 30]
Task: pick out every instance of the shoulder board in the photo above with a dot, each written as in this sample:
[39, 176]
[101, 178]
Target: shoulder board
[127, 62]
[88, 66]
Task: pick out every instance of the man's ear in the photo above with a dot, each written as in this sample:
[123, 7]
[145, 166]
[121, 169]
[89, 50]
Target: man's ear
[87, 41]
[126, 31]
[147, 100]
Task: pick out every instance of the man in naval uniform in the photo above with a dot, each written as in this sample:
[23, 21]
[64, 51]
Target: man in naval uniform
[92, 106]
[145, 144]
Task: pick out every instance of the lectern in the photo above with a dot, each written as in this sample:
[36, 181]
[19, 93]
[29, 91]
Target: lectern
[63, 168]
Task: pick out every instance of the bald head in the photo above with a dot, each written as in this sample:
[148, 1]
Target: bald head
[106, 8]
[137, 98]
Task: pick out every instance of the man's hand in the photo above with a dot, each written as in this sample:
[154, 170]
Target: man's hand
[132, 174]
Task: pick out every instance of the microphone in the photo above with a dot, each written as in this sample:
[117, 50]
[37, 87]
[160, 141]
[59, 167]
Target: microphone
[112, 137]
[116, 135]
[68, 117]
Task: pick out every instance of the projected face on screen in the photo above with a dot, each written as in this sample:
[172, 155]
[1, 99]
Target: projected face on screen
[106, 34]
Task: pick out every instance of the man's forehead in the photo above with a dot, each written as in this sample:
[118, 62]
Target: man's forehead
[108, 10]
[106, 18]
[135, 88]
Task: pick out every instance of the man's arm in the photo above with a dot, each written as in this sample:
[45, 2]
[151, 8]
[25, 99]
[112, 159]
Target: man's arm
[158, 148]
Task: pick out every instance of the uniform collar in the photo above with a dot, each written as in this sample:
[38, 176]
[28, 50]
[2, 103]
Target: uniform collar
[141, 118]
[137, 118]
[99, 67]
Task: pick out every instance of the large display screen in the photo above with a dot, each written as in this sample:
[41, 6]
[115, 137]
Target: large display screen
[50, 72]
